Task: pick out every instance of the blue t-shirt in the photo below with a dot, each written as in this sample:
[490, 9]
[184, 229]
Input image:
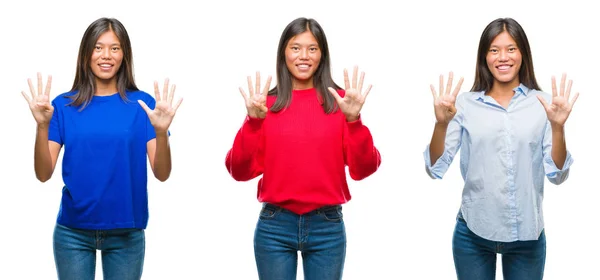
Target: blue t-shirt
[104, 165]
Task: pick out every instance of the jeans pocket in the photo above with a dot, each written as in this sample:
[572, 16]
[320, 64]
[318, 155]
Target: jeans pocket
[332, 214]
[268, 212]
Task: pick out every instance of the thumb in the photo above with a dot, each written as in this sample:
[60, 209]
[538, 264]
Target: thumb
[333, 92]
[543, 101]
[145, 107]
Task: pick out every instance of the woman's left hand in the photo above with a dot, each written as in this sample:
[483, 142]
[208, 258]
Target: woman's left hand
[353, 100]
[163, 113]
[560, 108]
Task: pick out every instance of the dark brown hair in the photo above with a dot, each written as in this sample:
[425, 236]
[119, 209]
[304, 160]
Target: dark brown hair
[321, 78]
[85, 80]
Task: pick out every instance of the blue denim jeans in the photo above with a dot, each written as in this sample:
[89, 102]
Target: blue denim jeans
[319, 235]
[475, 257]
[75, 253]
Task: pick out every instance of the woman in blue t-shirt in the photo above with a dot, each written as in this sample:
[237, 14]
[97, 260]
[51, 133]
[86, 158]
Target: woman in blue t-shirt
[107, 127]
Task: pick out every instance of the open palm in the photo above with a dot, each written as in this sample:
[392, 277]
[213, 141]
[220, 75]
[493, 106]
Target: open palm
[164, 111]
[444, 102]
[354, 98]
[559, 110]
[39, 103]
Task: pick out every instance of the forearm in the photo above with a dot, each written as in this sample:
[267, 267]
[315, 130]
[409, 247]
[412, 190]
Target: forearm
[162, 157]
[42, 158]
[436, 146]
[559, 146]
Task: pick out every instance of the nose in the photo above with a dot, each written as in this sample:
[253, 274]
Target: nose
[304, 53]
[503, 55]
[106, 54]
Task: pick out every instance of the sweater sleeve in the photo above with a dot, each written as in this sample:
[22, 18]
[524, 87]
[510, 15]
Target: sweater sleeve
[244, 160]
[360, 154]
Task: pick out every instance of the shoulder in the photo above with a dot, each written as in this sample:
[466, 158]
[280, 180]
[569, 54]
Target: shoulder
[545, 95]
[63, 98]
[139, 94]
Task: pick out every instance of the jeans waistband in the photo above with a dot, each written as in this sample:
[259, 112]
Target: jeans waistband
[319, 210]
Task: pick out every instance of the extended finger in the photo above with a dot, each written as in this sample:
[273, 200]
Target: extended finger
[166, 90]
[39, 83]
[48, 85]
[354, 77]
[171, 94]
[574, 99]
[553, 86]
[333, 92]
[367, 93]
[267, 86]
[26, 97]
[562, 84]
[360, 82]
[257, 83]
[449, 85]
[433, 91]
[156, 91]
[543, 101]
[568, 92]
[441, 89]
[250, 87]
[31, 89]
[457, 88]
[243, 95]
[177, 105]
[145, 107]
[346, 80]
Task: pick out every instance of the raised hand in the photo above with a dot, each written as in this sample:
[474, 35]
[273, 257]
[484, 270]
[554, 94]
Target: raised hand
[561, 106]
[39, 102]
[353, 100]
[443, 103]
[163, 113]
[256, 101]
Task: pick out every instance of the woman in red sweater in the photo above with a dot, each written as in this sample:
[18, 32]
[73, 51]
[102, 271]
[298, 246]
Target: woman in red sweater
[300, 136]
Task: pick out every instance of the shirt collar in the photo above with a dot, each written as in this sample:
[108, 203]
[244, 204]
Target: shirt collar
[520, 89]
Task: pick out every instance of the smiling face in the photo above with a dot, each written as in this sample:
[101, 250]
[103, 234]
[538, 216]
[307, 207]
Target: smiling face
[302, 57]
[504, 60]
[106, 58]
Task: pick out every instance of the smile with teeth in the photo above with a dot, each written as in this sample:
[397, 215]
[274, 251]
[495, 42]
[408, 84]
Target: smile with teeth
[503, 67]
[105, 67]
[303, 66]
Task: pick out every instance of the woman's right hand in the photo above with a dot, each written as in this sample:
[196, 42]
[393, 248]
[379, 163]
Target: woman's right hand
[443, 103]
[39, 103]
[256, 101]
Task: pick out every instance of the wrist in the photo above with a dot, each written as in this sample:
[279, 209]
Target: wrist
[352, 118]
[556, 127]
[43, 126]
[160, 132]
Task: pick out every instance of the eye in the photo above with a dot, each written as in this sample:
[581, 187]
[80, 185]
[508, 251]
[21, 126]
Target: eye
[294, 48]
[114, 49]
[513, 49]
[313, 49]
[493, 50]
[98, 48]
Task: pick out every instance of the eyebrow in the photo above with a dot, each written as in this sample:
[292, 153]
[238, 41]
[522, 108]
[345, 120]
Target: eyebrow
[310, 45]
[114, 44]
[509, 45]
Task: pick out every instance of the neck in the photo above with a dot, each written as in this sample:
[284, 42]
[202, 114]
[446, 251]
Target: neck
[504, 89]
[302, 84]
[104, 88]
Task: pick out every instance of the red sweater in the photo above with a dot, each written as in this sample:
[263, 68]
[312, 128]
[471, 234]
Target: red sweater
[302, 152]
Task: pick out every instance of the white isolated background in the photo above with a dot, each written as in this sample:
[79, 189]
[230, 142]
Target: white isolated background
[399, 222]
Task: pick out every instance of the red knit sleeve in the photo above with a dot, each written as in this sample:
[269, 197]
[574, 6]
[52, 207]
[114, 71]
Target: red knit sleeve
[360, 154]
[244, 160]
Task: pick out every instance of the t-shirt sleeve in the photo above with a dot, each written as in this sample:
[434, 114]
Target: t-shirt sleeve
[55, 130]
